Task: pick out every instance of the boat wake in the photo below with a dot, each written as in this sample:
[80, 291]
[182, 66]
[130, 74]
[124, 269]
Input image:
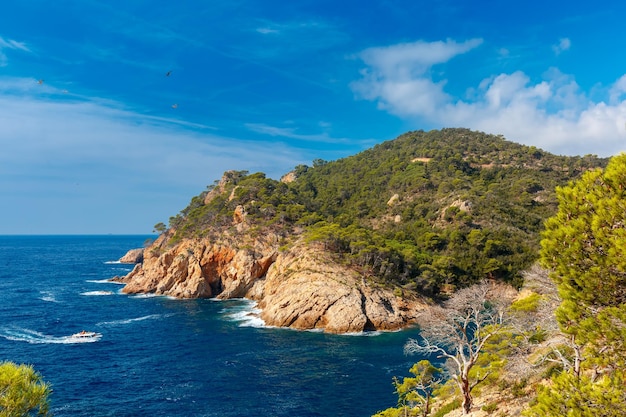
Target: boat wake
[37, 338]
[129, 321]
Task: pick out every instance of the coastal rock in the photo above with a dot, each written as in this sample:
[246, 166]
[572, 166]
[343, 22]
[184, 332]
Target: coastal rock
[198, 269]
[133, 256]
[301, 288]
[304, 289]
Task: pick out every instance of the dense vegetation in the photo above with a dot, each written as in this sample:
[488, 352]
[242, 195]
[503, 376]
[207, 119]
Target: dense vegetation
[559, 349]
[428, 210]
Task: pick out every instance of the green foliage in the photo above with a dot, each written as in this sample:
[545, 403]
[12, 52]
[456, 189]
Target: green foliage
[529, 303]
[451, 406]
[415, 393]
[581, 397]
[160, 227]
[427, 210]
[22, 391]
[584, 242]
[517, 389]
[490, 408]
[584, 246]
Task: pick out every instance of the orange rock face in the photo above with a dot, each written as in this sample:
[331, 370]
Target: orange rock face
[302, 288]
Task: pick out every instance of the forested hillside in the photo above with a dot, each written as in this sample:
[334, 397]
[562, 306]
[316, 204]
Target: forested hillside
[428, 211]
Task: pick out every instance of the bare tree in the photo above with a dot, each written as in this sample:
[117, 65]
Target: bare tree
[459, 330]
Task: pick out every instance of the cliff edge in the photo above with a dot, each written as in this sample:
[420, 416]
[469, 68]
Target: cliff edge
[302, 288]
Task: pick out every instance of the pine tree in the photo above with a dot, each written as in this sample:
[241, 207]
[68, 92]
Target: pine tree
[415, 393]
[584, 245]
[22, 391]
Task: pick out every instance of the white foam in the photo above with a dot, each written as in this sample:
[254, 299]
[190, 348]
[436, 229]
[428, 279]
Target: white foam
[246, 313]
[366, 334]
[105, 281]
[132, 320]
[48, 296]
[146, 295]
[35, 337]
[96, 293]
[112, 262]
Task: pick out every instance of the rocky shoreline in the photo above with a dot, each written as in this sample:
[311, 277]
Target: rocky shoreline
[301, 288]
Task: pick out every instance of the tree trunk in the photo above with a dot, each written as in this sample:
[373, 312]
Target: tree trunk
[467, 396]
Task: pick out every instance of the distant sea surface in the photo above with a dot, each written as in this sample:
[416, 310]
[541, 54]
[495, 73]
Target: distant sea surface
[159, 356]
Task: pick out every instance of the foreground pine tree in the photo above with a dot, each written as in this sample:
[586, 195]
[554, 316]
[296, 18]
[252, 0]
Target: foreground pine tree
[22, 391]
[585, 247]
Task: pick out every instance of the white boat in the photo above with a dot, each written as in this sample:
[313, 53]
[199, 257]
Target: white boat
[86, 335]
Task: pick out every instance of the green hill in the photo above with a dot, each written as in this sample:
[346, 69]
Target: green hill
[428, 211]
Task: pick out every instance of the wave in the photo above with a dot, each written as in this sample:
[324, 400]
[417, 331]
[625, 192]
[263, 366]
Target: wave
[368, 333]
[34, 337]
[95, 293]
[104, 281]
[48, 296]
[245, 313]
[153, 295]
[146, 295]
[132, 320]
[248, 315]
[112, 262]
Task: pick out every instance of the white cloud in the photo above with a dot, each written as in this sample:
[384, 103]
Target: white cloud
[10, 44]
[291, 133]
[68, 134]
[397, 75]
[552, 113]
[266, 30]
[409, 59]
[563, 45]
[120, 169]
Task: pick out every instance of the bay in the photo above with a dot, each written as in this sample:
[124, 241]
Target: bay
[158, 356]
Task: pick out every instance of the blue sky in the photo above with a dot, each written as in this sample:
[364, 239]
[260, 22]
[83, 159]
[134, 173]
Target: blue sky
[97, 138]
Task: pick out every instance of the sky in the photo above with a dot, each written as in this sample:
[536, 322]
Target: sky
[114, 114]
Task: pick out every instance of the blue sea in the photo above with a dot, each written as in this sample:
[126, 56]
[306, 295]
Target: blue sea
[158, 356]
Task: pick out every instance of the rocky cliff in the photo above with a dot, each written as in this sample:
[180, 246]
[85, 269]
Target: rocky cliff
[133, 256]
[301, 288]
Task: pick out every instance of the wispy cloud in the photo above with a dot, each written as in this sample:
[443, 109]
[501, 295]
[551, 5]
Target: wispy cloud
[552, 113]
[294, 38]
[68, 151]
[10, 44]
[267, 31]
[563, 45]
[291, 133]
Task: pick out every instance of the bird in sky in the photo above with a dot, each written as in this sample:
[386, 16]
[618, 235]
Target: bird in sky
[175, 105]
[167, 74]
[40, 81]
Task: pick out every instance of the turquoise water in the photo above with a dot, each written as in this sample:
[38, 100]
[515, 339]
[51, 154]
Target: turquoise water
[158, 356]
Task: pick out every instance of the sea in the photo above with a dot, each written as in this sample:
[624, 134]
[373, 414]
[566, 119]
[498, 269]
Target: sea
[159, 356]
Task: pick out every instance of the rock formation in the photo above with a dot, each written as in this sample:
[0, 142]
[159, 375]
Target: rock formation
[133, 256]
[305, 289]
[302, 288]
[299, 285]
